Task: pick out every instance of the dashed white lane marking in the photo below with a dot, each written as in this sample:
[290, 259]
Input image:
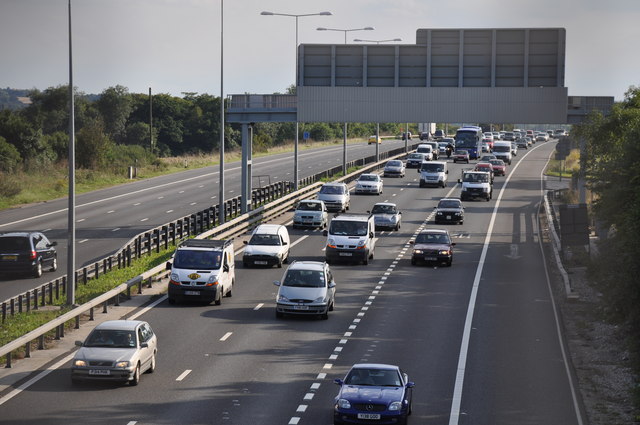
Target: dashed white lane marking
[145, 219]
[183, 375]
[294, 421]
[83, 241]
[302, 408]
[226, 336]
[309, 396]
[136, 204]
[193, 203]
[160, 197]
[258, 307]
[81, 220]
[182, 191]
[169, 211]
[132, 423]
[110, 212]
[116, 229]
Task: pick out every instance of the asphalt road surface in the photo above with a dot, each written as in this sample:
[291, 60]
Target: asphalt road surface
[480, 339]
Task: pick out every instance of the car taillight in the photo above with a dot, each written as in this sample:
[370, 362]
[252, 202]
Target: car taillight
[33, 255]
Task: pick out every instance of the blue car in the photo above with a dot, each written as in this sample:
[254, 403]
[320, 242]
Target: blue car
[373, 393]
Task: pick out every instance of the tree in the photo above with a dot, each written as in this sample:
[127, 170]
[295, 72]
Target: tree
[92, 146]
[115, 106]
[9, 156]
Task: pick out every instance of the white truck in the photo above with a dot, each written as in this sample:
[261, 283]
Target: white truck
[502, 150]
[475, 185]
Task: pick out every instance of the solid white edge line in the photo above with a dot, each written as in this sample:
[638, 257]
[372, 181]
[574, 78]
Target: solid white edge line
[456, 400]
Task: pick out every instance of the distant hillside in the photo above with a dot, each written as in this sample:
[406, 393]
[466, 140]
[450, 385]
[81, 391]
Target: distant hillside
[13, 98]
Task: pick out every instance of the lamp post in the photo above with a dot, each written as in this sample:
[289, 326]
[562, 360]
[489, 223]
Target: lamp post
[295, 143]
[221, 206]
[346, 30]
[391, 40]
[344, 142]
[71, 214]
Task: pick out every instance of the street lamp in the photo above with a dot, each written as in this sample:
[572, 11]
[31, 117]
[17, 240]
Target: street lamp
[344, 143]
[357, 40]
[295, 144]
[346, 30]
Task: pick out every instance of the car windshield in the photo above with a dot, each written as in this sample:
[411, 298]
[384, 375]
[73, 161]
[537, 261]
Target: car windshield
[476, 178]
[416, 156]
[14, 243]
[462, 152]
[374, 377]
[111, 338]
[394, 164]
[383, 209]
[449, 204]
[348, 228]
[439, 238]
[498, 162]
[501, 148]
[304, 278]
[431, 167]
[332, 190]
[309, 206]
[197, 259]
[262, 239]
[368, 178]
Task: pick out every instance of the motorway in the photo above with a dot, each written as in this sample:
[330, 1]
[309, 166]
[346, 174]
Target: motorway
[107, 219]
[480, 339]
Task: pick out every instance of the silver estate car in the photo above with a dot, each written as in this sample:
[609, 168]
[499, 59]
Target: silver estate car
[116, 350]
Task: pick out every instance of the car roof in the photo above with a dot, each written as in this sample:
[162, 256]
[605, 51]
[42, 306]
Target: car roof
[315, 201]
[368, 174]
[433, 231]
[352, 217]
[374, 366]
[450, 199]
[18, 234]
[306, 265]
[267, 229]
[334, 184]
[125, 325]
[385, 203]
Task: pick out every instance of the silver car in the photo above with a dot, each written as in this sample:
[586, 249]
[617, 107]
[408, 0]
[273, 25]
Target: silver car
[394, 168]
[307, 288]
[310, 213]
[116, 350]
[386, 215]
[369, 183]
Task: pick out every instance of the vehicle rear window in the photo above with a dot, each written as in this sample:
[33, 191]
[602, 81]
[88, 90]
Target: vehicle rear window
[15, 243]
[332, 190]
[309, 206]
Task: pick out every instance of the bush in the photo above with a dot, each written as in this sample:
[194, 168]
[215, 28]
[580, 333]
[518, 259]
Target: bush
[9, 156]
[9, 186]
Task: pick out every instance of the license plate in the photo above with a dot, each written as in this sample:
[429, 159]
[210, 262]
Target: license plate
[448, 217]
[368, 415]
[301, 307]
[99, 372]
[191, 293]
[345, 254]
[430, 258]
[10, 257]
[260, 262]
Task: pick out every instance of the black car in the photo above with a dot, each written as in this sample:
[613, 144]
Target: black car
[449, 210]
[27, 252]
[432, 246]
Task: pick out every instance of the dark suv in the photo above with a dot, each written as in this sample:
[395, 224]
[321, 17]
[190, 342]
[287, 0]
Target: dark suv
[27, 252]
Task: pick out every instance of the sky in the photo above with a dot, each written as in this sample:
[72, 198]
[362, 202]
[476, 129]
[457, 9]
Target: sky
[173, 46]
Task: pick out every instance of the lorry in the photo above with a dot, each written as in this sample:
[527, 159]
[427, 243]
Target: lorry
[475, 185]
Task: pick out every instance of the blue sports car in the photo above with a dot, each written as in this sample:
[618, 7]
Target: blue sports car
[373, 393]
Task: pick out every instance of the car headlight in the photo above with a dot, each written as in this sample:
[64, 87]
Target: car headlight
[122, 365]
[331, 243]
[175, 277]
[213, 280]
[417, 251]
[439, 213]
[282, 299]
[444, 252]
[79, 363]
[344, 404]
[319, 300]
[485, 189]
[396, 405]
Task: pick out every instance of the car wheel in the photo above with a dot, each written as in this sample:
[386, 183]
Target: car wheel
[366, 260]
[449, 263]
[230, 291]
[218, 300]
[461, 221]
[37, 271]
[172, 301]
[152, 365]
[279, 263]
[136, 377]
[442, 184]
[54, 265]
[397, 227]
[279, 315]
[325, 315]
[332, 305]
[413, 261]
[286, 259]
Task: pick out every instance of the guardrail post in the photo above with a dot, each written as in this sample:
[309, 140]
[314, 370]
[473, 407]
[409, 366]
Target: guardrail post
[41, 342]
[35, 298]
[8, 365]
[51, 291]
[77, 326]
[4, 312]
[140, 287]
[27, 349]
[104, 266]
[104, 307]
[57, 332]
[149, 281]
[62, 330]
[128, 255]
[43, 302]
[85, 275]
[128, 292]
[91, 314]
[166, 236]
[20, 303]
[96, 266]
[27, 297]
[117, 300]
[64, 281]
[149, 240]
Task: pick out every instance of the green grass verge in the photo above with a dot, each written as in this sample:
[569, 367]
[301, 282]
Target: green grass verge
[23, 323]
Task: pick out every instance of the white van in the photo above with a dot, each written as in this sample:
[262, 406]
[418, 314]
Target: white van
[202, 270]
[427, 150]
[351, 237]
[433, 173]
[269, 245]
[502, 150]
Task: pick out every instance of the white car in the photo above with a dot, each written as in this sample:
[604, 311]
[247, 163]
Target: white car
[268, 246]
[116, 350]
[307, 288]
[369, 183]
[310, 213]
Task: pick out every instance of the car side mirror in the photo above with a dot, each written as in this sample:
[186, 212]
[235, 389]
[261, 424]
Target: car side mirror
[332, 284]
[225, 268]
[79, 343]
[285, 243]
[338, 382]
[410, 384]
[54, 243]
[446, 172]
[168, 265]
[368, 212]
[144, 345]
[399, 212]
[453, 244]
[325, 233]
[276, 282]
[370, 234]
[459, 180]
[411, 242]
[245, 242]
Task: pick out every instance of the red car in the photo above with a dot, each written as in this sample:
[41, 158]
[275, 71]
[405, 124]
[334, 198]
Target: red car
[486, 167]
[461, 155]
[499, 167]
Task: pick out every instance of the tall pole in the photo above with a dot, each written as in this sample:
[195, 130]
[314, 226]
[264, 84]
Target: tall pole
[221, 207]
[150, 121]
[71, 224]
[296, 138]
[377, 144]
[344, 151]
